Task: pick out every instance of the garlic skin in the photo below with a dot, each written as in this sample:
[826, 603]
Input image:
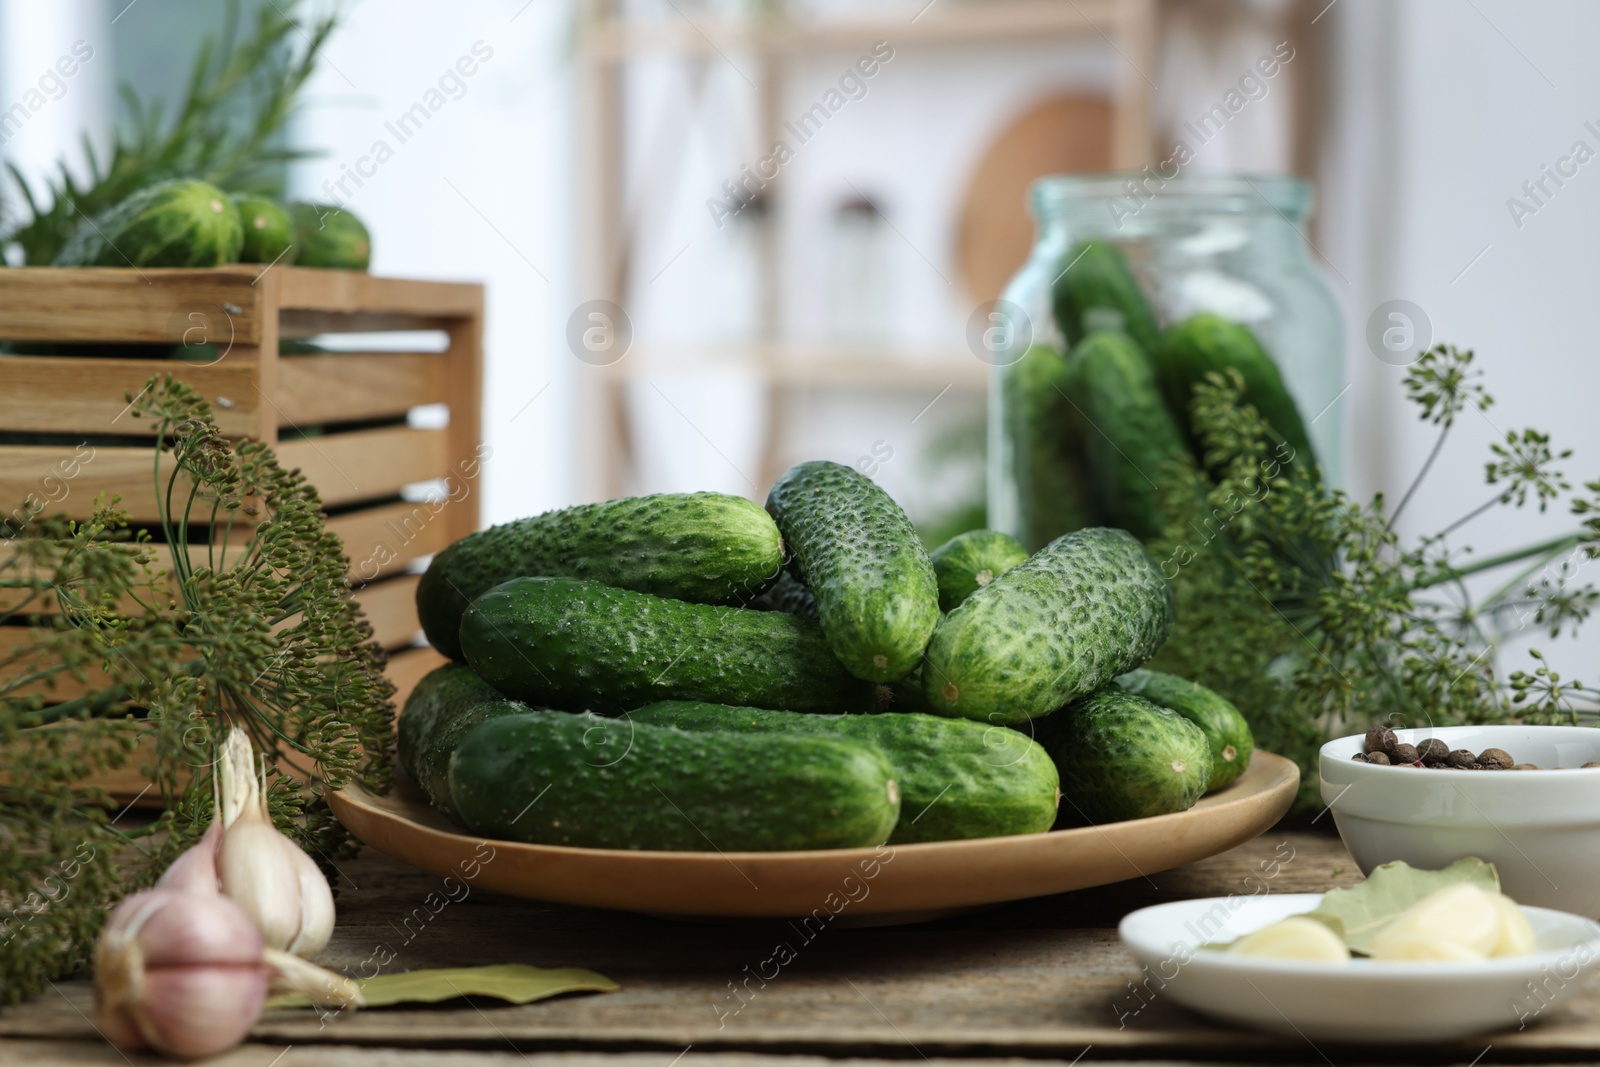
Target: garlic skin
[178, 972]
[1459, 923]
[196, 870]
[263, 870]
[1294, 938]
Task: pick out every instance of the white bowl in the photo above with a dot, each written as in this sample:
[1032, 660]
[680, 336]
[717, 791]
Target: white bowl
[1364, 1001]
[1541, 829]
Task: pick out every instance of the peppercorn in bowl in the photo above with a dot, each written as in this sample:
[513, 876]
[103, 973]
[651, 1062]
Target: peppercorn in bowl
[1525, 798]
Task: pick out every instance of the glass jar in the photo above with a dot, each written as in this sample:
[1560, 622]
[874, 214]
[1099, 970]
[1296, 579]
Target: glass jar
[1228, 244]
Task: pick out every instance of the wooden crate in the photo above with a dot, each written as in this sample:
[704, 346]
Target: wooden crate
[360, 453]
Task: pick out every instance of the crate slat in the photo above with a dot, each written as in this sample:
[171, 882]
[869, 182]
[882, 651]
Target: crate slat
[69, 480]
[391, 607]
[63, 686]
[133, 306]
[349, 386]
[310, 289]
[367, 464]
[300, 325]
[382, 540]
[57, 394]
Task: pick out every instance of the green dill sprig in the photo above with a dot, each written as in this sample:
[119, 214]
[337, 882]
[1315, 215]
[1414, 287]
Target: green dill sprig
[235, 611]
[1306, 609]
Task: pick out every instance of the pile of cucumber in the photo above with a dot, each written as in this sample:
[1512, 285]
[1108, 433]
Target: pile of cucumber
[694, 672]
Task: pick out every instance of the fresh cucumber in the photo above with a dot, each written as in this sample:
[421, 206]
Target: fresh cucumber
[1227, 733]
[1096, 290]
[1122, 757]
[1133, 445]
[553, 778]
[1040, 443]
[789, 594]
[445, 704]
[704, 547]
[1087, 607]
[957, 778]
[571, 643]
[968, 562]
[1204, 343]
[857, 552]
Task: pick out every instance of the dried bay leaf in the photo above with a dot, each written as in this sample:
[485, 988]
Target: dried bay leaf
[515, 983]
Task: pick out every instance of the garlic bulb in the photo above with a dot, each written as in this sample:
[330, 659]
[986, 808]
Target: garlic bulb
[178, 972]
[264, 871]
[1294, 938]
[196, 870]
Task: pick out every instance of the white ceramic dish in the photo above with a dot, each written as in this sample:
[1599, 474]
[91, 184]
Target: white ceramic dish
[1541, 829]
[1364, 1001]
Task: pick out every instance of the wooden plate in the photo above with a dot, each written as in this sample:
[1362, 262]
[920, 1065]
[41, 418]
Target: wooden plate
[892, 883]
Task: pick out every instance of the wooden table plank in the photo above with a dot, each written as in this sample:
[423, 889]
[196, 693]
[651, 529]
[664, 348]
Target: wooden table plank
[1041, 978]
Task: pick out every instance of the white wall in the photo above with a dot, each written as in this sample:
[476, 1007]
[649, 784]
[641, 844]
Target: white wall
[482, 192]
[1444, 110]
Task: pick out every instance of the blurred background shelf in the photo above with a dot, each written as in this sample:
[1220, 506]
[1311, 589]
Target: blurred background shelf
[772, 57]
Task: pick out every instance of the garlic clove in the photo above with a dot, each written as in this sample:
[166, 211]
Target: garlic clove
[316, 904]
[1294, 938]
[258, 874]
[1516, 933]
[1458, 922]
[196, 870]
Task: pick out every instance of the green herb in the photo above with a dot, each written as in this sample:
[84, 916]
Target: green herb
[514, 983]
[1304, 608]
[251, 624]
[1362, 910]
[226, 131]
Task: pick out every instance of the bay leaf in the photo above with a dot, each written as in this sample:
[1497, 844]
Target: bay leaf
[1392, 888]
[515, 983]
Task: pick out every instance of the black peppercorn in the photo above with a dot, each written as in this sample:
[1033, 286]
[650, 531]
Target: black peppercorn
[1403, 753]
[1461, 759]
[1378, 758]
[1360, 757]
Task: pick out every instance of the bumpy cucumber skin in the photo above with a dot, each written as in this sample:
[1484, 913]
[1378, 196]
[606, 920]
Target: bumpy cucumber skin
[789, 594]
[441, 693]
[571, 643]
[1087, 607]
[1095, 281]
[1043, 446]
[445, 704]
[708, 548]
[857, 552]
[1122, 757]
[968, 562]
[1227, 733]
[958, 779]
[559, 779]
[1133, 444]
[1205, 342]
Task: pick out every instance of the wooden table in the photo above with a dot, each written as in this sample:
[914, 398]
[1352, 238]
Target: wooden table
[1041, 979]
